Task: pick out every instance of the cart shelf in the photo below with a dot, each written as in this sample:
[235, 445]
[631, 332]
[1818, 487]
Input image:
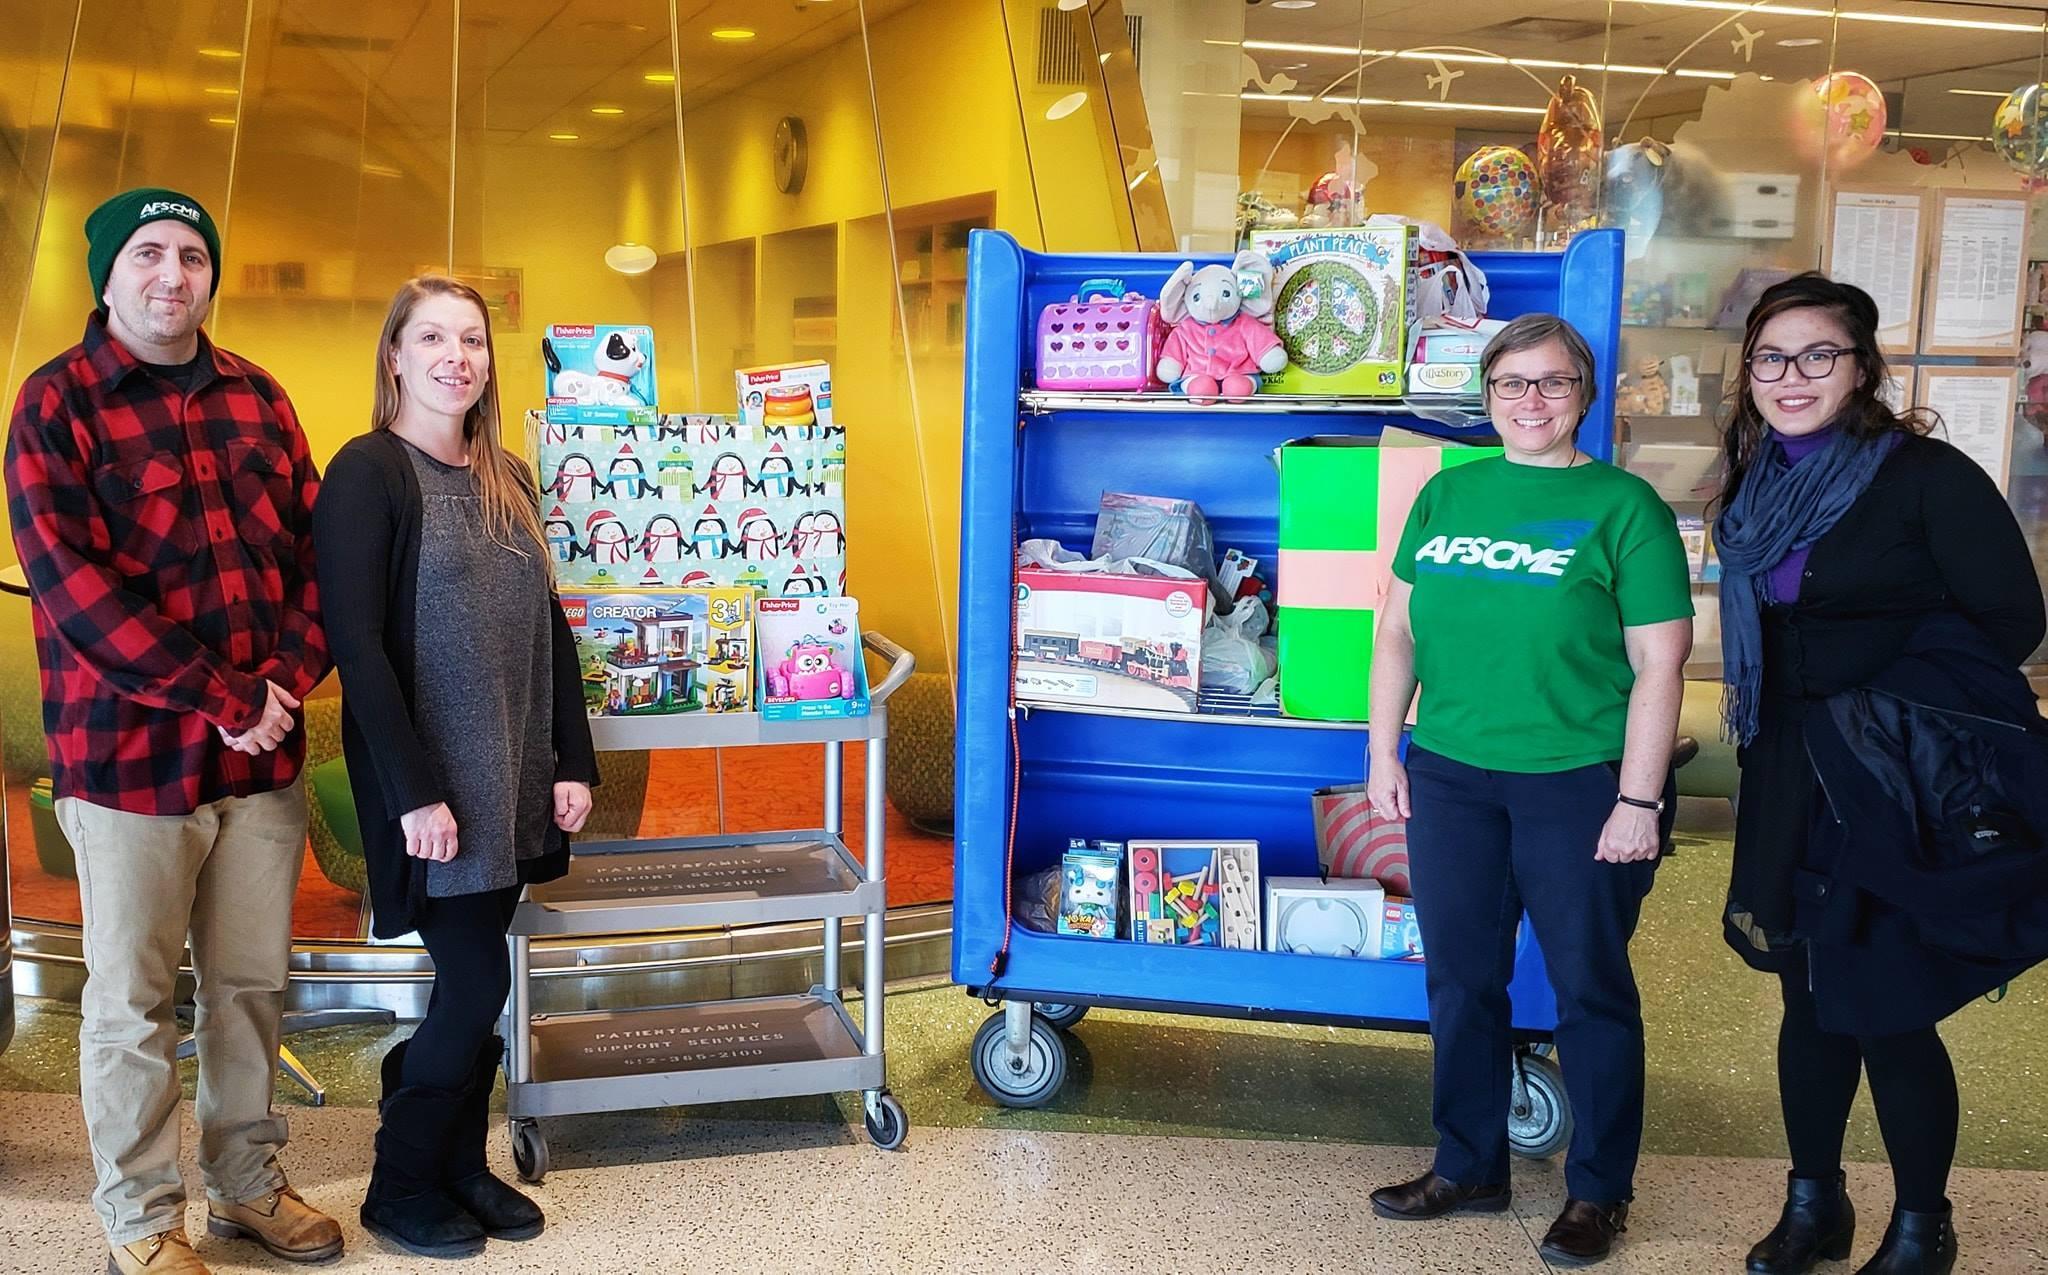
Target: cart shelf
[715, 1051]
[1459, 413]
[618, 887]
[1028, 707]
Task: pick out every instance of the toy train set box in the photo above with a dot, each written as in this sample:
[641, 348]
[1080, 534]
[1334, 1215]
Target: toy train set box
[1344, 304]
[600, 373]
[648, 652]
[1123, 641]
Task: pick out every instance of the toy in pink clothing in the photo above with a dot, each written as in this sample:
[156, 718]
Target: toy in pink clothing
[1221, 338]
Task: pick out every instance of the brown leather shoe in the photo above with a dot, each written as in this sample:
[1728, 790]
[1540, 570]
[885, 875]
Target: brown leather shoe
[1584, 1233]
[1431, 1196]
[165, 1253]
[281, 1221]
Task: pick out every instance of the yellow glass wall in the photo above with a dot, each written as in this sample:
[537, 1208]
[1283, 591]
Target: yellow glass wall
[345, 148]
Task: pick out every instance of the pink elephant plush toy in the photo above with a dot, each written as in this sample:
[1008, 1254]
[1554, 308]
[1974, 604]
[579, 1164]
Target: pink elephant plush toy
[1221, 336]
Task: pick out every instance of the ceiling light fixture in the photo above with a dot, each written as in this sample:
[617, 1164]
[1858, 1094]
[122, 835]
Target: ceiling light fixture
[660, 77]
[1417, 104]
[631, 258]
[1073, 4]
[1483, 59]
[562, 137]
[1846, 15]
[1294, 4]
[221, 119]
[1799, 42]
[224, 54]
[1937, 137]
[1998, 93]
[1066, 106]
[732, 34]
[607, 110]
[381, 170]
[222, 91]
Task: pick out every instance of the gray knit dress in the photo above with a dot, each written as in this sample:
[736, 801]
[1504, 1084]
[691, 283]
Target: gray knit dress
[483, 684]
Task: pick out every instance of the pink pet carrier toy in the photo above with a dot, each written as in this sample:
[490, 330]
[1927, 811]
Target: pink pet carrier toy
[1103, 343]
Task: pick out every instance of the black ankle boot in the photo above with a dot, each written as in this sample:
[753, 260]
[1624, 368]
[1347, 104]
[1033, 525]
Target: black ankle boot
[1818, 1222]
[1915, 1244]
[501, 1209]
[407, 1203]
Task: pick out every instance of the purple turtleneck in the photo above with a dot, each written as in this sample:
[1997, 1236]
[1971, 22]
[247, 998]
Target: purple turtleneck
[1786, 575]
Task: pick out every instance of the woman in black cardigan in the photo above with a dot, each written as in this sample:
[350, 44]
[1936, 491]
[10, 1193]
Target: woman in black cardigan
[1844, 531]
[464, 729]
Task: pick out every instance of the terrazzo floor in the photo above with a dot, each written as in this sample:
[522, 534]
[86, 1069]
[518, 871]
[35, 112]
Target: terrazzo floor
[1238, 1146]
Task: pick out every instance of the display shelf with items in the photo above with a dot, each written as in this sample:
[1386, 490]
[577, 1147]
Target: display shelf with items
[931, 254]
[1036, 469]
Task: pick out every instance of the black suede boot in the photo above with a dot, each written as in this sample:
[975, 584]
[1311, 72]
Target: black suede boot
[1818, 1223]
[406, 1202]
[503, 1211]
[1915, 1244]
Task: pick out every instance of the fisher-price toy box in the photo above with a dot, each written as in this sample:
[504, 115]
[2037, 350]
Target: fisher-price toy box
[811, 665]
[785, 397]
[651, 652]
[1344, 304]
[1125, 641]
[600, 373]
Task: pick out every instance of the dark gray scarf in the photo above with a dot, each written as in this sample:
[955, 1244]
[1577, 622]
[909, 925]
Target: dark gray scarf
[1778, 508]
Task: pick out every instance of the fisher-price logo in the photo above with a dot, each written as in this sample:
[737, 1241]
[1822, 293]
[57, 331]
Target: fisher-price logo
[567, 330]
[779, 606]
[770, 377]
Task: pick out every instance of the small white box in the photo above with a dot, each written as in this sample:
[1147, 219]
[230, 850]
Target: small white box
[1309, 916]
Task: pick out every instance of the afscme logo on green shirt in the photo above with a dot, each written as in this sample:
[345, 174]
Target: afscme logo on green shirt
[1495, 555]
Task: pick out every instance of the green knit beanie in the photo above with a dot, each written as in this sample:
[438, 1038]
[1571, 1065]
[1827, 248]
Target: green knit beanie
[113, 223]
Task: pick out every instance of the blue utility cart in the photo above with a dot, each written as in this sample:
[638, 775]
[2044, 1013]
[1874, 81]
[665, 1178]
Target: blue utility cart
[1035, 465]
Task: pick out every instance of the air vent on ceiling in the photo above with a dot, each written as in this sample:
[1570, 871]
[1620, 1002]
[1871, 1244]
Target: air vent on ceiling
[336, 43]
[1539, 30]
[1063, 57]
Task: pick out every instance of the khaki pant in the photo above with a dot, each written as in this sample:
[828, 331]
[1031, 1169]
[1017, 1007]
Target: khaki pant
[224, 876]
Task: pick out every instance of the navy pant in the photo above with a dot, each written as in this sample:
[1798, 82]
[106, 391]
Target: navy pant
[1484, 846]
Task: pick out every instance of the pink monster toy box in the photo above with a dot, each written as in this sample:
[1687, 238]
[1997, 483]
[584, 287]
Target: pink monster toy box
[1108, 341]
[809, 653]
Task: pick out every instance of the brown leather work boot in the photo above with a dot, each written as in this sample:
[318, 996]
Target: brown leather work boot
[165, 1253]
[281, 1221]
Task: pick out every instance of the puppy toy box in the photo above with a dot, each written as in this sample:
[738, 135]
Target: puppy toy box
[1312, 917]
[1088, 881]
[785, 397]
[600, 374]
[1102, 338]
[1116, 640]
[810, 659]
[1344, 304]
[676, 651]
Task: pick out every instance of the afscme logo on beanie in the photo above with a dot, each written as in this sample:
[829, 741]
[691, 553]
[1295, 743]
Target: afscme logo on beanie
[150, 212]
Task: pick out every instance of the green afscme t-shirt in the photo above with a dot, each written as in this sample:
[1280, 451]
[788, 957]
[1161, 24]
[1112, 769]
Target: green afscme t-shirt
[1524, 578]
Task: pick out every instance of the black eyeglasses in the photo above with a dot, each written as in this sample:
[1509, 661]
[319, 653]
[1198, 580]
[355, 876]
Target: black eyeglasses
[1513, 387]
[1814, 365]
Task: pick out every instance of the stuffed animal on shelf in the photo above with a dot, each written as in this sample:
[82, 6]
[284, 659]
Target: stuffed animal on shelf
[1647, 395]
[1220, 339]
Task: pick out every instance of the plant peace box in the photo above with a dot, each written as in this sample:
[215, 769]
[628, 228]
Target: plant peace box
[1344, 304]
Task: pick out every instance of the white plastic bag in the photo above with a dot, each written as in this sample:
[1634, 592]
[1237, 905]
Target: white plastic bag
[1233, 658]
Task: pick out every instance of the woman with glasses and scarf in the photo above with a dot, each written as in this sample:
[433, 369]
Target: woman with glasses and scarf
[1847, 537]
[1541, 601]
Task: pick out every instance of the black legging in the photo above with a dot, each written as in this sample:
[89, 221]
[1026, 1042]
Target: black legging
[1912, 1084]
[465, 934]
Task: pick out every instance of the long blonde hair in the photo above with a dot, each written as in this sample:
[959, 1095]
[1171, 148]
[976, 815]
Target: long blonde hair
[506, 491]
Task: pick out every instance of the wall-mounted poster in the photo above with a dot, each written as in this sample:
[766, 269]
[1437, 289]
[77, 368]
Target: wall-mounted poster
[1876, 241]
[1980, 257]
[1976, 409]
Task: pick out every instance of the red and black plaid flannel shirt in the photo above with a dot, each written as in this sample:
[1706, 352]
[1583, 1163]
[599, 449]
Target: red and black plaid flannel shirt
[167, 539]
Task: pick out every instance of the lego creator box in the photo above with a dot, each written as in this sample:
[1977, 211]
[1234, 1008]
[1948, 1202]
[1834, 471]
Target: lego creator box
[1344, 501]
[1344, 304]
[786, 397]
[810, 659]
[1400, 936]
[646, 652]
[1117, 641]
[600, 374]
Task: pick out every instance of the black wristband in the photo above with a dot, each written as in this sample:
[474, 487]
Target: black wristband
[1624, 799]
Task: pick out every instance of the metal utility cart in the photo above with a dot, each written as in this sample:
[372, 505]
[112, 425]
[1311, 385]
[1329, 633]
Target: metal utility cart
[1033, 775]
[714, 1051]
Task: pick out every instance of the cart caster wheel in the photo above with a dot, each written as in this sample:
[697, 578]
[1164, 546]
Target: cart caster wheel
[1062, 1017]
[887, 1123]
[1030, 1082]
[529, 1150]
[1539, 1113]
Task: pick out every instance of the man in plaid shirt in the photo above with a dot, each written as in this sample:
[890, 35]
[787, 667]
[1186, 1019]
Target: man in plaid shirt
[161, 493]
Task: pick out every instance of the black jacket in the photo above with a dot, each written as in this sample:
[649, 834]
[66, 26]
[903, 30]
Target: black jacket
[1926, 875]
[1931, 536]
[366, 532]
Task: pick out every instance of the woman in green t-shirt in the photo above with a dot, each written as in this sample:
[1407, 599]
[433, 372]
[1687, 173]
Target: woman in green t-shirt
[1541, 601]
